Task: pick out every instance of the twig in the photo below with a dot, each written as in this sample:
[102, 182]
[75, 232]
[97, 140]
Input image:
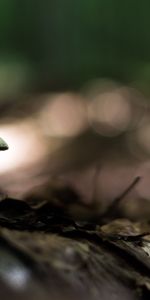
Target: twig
[114, 205]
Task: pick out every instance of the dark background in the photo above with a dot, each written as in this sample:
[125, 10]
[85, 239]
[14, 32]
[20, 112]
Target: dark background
[65, 43]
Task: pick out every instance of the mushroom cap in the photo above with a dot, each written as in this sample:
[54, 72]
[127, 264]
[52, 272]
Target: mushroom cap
[3, 145]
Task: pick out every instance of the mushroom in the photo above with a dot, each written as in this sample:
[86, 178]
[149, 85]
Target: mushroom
[3, 145]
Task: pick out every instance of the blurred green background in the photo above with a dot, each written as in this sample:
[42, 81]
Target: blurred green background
[63, 44]
[95, 56]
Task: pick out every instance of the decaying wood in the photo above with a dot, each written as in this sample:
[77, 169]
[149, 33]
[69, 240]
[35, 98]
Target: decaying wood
[45, 256]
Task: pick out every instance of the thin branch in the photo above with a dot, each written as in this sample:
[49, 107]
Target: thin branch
[114, 205]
